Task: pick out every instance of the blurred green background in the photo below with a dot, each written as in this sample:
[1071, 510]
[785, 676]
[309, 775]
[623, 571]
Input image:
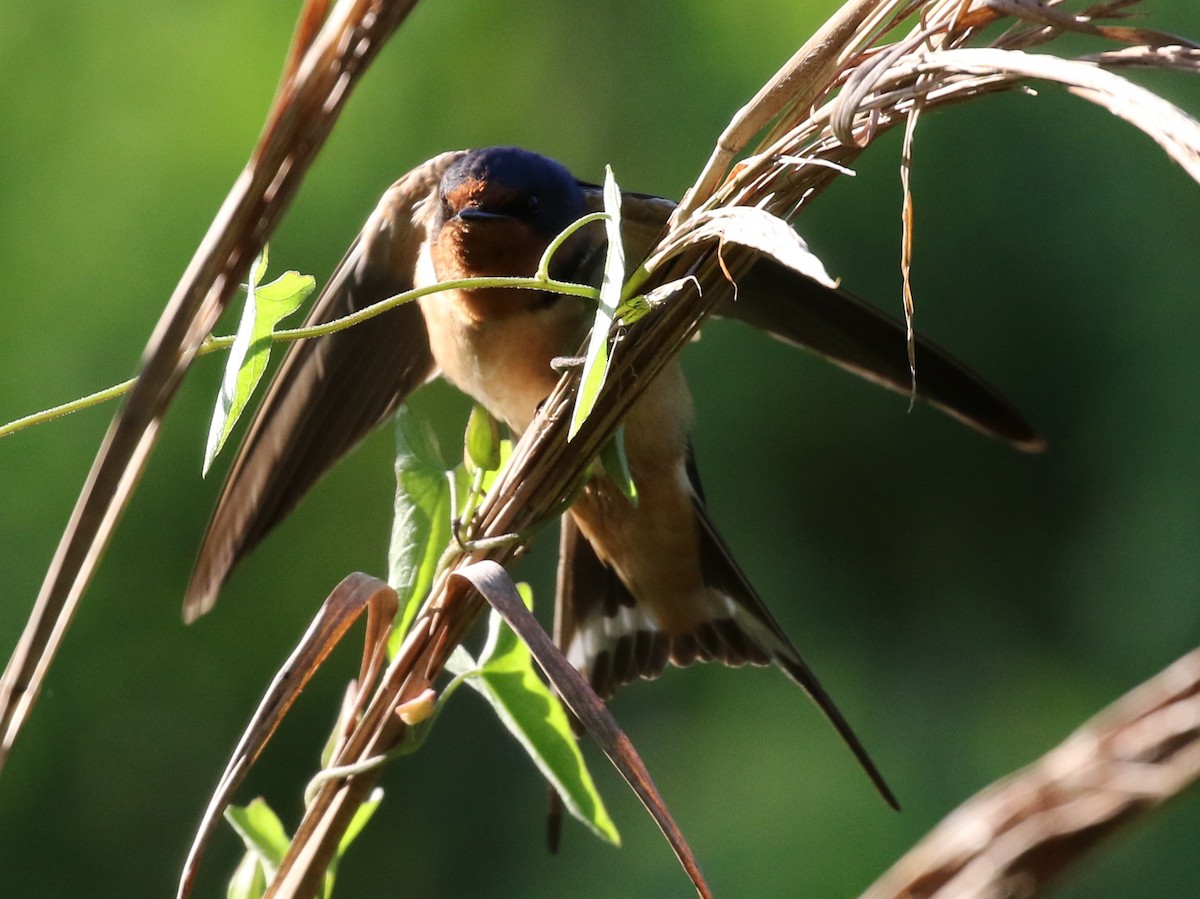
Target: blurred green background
[968, 606]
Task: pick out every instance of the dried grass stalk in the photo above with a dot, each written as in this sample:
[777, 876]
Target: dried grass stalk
[328, 57]
[1016, 836]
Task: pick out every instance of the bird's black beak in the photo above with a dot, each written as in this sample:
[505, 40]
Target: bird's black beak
[476, 214]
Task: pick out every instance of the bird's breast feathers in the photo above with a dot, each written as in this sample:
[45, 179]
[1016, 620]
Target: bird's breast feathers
[496, 344]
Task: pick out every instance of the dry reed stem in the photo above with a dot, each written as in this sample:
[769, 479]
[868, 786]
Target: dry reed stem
[1016, 836]
[316, 85]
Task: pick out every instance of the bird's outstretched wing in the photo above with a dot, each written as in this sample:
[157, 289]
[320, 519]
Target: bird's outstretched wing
[864, 341]
[841, 328]
[329, 392]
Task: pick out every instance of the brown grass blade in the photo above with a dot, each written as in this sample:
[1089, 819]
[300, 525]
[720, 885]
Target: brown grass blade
[304, 113]
[1172, 129]
[1016, 836]
[1060, 21]
[805, 75]
[336, 615]
[494, 584]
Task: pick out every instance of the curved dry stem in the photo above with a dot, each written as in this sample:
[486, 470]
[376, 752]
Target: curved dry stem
[1016, 836]
[316, 85]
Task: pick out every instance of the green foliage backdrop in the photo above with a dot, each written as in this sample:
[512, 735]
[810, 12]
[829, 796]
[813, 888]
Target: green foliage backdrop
[967, 605]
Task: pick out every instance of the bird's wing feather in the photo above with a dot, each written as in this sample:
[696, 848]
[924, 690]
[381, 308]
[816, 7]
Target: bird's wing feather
[610, 636]
[757, 626]
[839, 327]
[590, 592]
[329, 392]
[864, 341]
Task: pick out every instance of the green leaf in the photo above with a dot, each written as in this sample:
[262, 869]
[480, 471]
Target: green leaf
[261, 831]
[421, 523]
[267, 842]
[503, 453]
[616, 465]
[266, 306]
[258, 269]
[249, 880]
[639, 306]
[361, 816]
[504, 675]
[595, 365]
[482, 443]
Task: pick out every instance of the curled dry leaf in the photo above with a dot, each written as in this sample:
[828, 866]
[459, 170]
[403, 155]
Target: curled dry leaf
[750, 227]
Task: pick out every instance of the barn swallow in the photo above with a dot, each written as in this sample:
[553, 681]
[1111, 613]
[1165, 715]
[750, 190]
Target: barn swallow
[640, 585]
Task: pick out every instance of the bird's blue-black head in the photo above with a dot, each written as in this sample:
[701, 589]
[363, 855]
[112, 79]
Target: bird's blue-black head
[514, 184]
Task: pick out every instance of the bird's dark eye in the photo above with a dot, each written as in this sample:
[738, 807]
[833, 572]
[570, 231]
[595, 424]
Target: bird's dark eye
[531, 203]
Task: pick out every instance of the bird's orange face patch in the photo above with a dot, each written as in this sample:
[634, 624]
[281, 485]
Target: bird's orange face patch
[465, 194]
[482, 194]
[503, 245]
